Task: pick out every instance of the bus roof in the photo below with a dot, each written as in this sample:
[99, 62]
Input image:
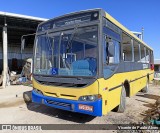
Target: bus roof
[125, 29]
[109, 17]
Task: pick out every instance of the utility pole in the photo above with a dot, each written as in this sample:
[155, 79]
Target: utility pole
[142, 33]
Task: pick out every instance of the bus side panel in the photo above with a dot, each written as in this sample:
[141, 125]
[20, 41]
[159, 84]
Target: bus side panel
[103, 91]
[114, 98]
[110, 99]
[141, 82]
[151, 76]
[135, 82]
[136, 86]
[111, 92]
[114, 87]
[138, 82]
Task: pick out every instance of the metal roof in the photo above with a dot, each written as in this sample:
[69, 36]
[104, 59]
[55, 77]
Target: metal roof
[157, 61]
[21, 16]
[18, 25]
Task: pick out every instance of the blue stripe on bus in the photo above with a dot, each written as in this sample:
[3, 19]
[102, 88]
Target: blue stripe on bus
[70, 105]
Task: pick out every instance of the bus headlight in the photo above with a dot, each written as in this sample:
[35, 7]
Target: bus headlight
[89, 98]
[92, 98]
[95, 15]
[38, 91]
[84, 98]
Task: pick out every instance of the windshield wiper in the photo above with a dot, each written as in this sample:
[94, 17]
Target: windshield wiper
[60, 40]
[71, 38]
[59, 50]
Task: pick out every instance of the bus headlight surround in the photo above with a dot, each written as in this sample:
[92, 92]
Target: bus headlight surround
[89, 98]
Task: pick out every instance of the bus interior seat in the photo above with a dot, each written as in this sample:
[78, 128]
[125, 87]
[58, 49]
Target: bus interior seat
[81, 67]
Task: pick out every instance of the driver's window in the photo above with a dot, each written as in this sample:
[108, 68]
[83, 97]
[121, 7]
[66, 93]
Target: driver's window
[112, 51]
[117, 52]
[111, 56]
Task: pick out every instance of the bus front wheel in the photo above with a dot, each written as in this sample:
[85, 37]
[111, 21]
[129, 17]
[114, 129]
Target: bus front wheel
[122, 106]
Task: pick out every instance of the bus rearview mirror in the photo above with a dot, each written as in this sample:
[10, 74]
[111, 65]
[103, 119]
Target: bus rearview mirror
[111, 49]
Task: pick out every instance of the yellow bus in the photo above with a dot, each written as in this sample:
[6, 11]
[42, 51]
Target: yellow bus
[88, 62]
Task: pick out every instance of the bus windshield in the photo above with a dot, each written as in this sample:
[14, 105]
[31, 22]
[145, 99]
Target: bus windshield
[67, 53]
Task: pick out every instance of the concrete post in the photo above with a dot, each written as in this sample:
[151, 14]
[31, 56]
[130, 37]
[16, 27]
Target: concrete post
[5, 58]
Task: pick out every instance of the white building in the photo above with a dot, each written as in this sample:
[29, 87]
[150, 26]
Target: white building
[157, 65]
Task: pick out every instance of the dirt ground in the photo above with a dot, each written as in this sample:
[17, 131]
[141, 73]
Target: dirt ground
[13, 109]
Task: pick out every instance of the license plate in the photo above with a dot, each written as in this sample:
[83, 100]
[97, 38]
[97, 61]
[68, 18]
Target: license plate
[85, 107]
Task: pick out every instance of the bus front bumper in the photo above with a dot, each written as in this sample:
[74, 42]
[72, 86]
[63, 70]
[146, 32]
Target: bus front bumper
[91, 108]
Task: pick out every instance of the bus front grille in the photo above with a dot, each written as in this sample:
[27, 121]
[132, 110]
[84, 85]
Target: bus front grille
[60, 104]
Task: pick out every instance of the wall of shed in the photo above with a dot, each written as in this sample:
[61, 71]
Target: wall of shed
[157, 67]
[14, 52]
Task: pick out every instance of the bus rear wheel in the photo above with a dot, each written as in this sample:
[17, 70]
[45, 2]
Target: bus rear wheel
[122, 106]
[146, 88]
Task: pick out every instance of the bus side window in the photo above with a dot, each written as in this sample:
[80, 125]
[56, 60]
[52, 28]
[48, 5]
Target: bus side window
[143, 54]
[136, 46]
[127, 48]
[147, 55]
[111, 56]
[151, 57]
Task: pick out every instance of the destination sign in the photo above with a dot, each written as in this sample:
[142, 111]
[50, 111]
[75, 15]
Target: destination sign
[69, 20]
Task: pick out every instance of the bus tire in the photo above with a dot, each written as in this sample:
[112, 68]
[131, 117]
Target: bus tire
[146, 88]
[27, 97]
[122, 106]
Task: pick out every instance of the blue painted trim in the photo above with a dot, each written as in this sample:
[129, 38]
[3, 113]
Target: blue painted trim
[73, 104]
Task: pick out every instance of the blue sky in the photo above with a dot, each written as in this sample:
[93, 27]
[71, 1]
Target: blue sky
[134, 14]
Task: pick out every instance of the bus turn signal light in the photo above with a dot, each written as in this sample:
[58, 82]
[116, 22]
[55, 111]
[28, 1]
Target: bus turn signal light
[99, 96]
